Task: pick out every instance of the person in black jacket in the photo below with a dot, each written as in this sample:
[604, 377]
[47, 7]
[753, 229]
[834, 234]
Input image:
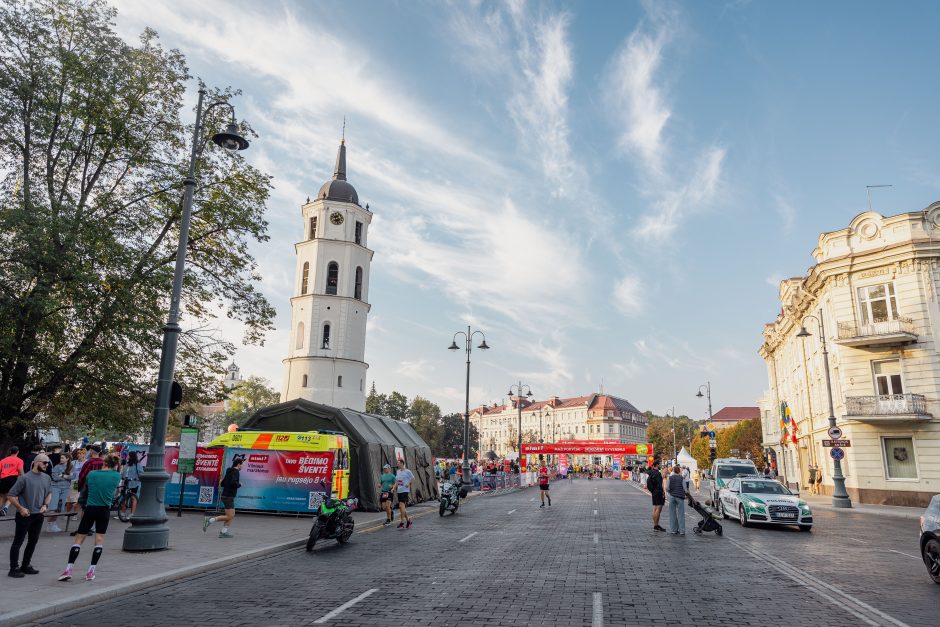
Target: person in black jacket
[230, 484]
[654, 483]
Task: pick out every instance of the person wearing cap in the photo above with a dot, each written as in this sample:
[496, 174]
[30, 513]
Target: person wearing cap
[30, 497]
[386, 483]
[11, 467]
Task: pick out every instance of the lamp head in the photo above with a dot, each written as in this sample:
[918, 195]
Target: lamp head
[483, 345]
[231, 139]
[529, 393]
[453, 346]
[803, 332]
[699, 394]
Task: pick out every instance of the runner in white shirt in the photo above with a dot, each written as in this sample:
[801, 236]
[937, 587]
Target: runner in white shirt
[403, 481]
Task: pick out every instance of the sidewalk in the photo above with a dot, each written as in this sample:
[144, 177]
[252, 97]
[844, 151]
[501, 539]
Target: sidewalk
[191, 552]
[824, 503]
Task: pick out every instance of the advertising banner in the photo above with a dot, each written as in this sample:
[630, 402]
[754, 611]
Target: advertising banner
[285, 481]
[585, 447]
[202, 485]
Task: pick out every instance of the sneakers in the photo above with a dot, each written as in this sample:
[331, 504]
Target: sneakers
[66, 574]
[205, 524]
[387, 523]
[401, 525]
[15, 572]
[549, 500]
[408, 526]
[90, 575]
[542, 505]
[225, 534]
[28, 570]
[54, 528]
[658, 528]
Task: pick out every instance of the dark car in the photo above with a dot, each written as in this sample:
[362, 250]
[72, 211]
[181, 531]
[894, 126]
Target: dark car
[930, 538]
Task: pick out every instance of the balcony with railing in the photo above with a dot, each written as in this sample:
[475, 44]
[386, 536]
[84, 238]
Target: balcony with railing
[885, 333]
[887, 408]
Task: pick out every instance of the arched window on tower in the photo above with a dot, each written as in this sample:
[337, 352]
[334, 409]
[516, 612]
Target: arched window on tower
[313, 228]
[299, 342]
[326, 336]
[358, 290]
[332, 278]
[305, 280]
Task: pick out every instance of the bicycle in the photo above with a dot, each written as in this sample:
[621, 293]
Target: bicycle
[124, 501]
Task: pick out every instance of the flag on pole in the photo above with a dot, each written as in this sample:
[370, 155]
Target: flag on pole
[785, 422]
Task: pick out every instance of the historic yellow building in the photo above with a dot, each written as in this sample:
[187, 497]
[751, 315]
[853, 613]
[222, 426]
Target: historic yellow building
[875, 286]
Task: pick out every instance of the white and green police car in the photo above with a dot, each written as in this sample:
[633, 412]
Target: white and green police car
[759, 500]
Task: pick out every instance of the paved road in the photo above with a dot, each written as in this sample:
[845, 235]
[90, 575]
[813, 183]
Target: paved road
[590, 559]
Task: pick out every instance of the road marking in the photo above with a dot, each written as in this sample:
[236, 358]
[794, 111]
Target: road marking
[597, 619]
[532, 499]
[907, 554]
[841, 599]
[345, 606]
[595, 500]
[510, 511]
[595, 538]
[859, 541]
[468, 537]
[595, 512]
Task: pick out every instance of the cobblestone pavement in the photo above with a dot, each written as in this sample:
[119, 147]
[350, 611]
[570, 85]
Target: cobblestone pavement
[590, 559]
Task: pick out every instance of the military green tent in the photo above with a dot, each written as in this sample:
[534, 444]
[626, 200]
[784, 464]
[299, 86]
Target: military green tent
[373, 441]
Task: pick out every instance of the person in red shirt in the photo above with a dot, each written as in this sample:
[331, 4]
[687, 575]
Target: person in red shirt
[11, 468]
[543, 483]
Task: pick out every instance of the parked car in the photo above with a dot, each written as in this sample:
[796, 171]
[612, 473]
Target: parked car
[930, 538]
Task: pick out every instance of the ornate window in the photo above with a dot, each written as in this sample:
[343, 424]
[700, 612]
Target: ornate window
[358, 290]
[326, 336]
[299, 341]
[332, 277]
[313, 227]
[305, 278]
[877, 303]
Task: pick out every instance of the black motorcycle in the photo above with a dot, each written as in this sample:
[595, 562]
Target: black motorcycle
[451, 493]
[333, 521]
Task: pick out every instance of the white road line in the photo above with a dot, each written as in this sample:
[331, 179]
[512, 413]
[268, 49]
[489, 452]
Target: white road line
[468, 537]
[595, 512]
[907, 554]
[595, 538]
[845, 601]
[595, 500]
[510, 511]
[859, 541]
[597, 619]
[532, 499]
[345, 606]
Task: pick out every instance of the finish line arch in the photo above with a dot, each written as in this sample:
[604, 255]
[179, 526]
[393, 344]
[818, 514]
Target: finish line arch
[585, 447]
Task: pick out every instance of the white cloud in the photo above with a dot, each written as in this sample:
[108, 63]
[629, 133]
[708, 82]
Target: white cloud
[628, 295]
[629, 369]
[675, 353]
[417, 369]
[786, 211]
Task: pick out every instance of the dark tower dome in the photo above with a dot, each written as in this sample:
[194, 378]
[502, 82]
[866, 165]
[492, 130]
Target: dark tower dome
[339, 188]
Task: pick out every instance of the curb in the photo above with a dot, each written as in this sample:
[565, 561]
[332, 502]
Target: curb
[105, 594]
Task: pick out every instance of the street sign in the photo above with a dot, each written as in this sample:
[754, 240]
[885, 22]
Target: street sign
[713, 443]
[711, 427]
[837, 443]
[711, 434]
[836, 453]
[835, 433]
[186, 462]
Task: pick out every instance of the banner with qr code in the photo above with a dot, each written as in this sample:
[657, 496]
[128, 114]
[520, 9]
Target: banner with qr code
[282, 481]
[202, 485]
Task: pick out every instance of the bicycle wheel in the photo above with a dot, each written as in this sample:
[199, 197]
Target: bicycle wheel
[124, 508]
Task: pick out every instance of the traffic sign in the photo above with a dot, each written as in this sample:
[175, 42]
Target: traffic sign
[711, 426]
[838, 443]
[713, 443]
[835, 433]
[711, 434]
[836, 453]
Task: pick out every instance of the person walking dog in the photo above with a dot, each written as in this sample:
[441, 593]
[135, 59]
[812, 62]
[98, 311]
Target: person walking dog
[30, 497]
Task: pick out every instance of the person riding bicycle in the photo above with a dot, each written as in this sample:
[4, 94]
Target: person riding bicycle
[131, 476]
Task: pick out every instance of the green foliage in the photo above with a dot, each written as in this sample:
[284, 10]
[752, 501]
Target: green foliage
[247, 397]
[396, 406]
[444, 434]
[659, 433]
[92, 157]
[743, 438]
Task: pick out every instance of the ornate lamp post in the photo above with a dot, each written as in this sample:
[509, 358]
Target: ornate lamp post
[148, 530]
[713, 448]
[468, 338]
[519, 387]
[840, 497]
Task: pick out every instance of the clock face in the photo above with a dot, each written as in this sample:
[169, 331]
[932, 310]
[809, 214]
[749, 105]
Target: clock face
[336, 217]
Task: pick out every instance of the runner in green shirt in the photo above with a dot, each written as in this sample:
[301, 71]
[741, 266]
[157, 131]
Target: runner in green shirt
[100, 486]
[386, 483]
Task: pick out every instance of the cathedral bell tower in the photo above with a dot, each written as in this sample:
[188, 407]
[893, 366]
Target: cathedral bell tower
[326, 356]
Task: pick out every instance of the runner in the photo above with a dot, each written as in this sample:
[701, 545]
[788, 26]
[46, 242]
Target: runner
[386, 483]
[543, 483]
[11, 467]
[404, 478]
[100, 486]
[230, 484]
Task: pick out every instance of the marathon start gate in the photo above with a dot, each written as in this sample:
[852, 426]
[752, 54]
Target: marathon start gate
[586, 447]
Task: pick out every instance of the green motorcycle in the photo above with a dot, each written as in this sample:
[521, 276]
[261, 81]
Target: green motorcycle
[333, 521]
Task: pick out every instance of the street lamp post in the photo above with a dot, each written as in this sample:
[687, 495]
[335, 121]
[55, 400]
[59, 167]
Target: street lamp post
[712, 445]
[519, 387]
[675, 453]
[468, 337]
[840, 497]
[148, 530]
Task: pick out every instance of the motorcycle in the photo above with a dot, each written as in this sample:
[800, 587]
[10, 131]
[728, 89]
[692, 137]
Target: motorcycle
[333, 521]
[451, 493]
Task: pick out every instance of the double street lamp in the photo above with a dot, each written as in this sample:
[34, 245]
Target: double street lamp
[148, 530]
[840, 497]
[519, 391]
[712, 445]
[468, 339]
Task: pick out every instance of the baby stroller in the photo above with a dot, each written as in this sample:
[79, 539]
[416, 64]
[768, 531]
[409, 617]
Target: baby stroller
[709, 520]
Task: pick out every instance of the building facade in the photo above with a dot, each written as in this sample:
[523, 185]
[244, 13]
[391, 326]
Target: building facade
[875, 288]
[326, 355]
[589, 417]
[730, 416]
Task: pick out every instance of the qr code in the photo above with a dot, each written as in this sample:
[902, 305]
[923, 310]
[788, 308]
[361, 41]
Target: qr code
[314, 500]
[205, 495]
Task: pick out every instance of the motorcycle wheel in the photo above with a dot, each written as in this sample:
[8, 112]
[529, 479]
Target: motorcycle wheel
[442, 509]
[456, 506]
[314, 535]
[344, 535]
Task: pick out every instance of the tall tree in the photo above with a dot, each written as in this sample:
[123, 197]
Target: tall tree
[451, 439]
[659, 433]
[375, 402]
[92, 157]
[396, 406]
[249, 396]
[425, 417]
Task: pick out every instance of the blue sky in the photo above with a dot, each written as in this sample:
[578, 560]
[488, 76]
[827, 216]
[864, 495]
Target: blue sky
[611, 191]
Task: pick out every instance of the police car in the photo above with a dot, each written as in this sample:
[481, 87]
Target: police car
[759, 500]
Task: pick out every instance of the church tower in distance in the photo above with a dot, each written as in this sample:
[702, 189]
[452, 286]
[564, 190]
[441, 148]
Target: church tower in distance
[326, 356]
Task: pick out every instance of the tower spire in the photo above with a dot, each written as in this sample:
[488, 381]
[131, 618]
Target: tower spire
[339, 172]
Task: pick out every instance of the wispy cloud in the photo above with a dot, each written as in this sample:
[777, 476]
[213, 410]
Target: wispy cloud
[628, 295]
[786, 211]
[416, 369]
[675, 353]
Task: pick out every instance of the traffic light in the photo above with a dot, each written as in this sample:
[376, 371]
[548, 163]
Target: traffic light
[176, 395]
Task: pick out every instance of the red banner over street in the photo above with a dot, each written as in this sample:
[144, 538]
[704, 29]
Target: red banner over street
[585, 447]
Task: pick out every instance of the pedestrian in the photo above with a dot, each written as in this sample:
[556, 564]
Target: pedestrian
[453, 472]
[131, 475]
[61, 486]
[34, 452]
[812, 478]
[11, 467]
[386, 483]
[697, 479]
[78, 458]
[654, 483]
[543, 484]
[818, 485]
[100, 486]
[30, 497]
[678, 491]
[403, 479]
[230, 484]
[93, 462]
